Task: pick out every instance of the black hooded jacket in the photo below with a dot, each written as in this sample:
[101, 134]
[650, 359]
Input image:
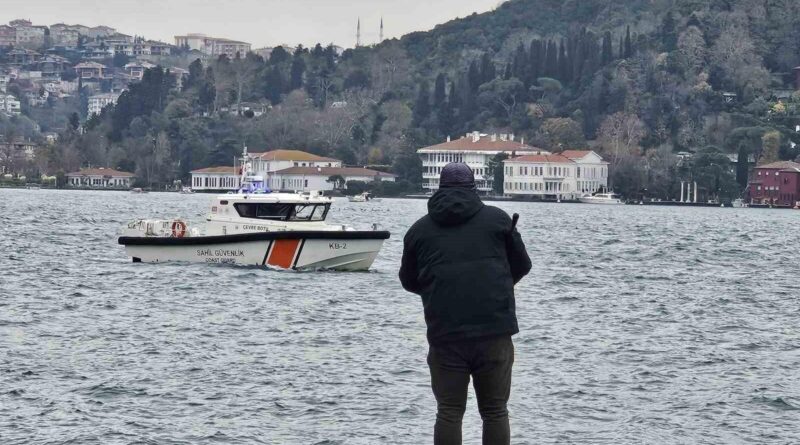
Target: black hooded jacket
[463, 259]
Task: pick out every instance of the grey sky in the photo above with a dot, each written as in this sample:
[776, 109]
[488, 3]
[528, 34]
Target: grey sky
[260, 22]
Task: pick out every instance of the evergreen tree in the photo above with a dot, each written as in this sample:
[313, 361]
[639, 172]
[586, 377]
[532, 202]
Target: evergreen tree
[422, 106]
[273, 85]
[563, 62]
[195, 75]
[552, 59]
[453, 99]
[279, 56]
[473, 77]
[621, 47]
[439, 94]
[607, 52]
[669, 33]
[296, 71]
[488, 71]
[628, 43]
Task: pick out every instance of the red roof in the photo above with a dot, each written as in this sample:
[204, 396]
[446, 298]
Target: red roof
[553, 159]
[484, 143]
[332, 171]
[780, 165]
[224, 169]
[575, 154]
[101, 172]
[291, 155]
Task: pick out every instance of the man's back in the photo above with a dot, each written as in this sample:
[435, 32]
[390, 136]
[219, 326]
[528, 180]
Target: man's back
[464, 258]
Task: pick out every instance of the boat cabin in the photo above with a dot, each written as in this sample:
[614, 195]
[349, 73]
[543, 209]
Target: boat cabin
[274, 207]
[282, 211]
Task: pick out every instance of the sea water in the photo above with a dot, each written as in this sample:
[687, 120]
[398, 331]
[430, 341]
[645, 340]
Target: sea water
[638, 325]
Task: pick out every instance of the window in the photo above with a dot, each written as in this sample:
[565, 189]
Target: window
[282, 212]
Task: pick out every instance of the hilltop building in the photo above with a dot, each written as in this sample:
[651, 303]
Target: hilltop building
[100, 101]
[9, 105]
[476, 150]
[8, 36]
[567, 175]
[212, 46]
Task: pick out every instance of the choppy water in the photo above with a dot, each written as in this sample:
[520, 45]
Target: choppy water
[638, 325]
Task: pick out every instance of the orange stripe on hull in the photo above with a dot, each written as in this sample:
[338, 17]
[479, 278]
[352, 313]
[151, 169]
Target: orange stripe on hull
[283, 253]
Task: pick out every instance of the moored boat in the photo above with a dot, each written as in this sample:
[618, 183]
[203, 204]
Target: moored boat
[363, 197]
[257, 227]
[602, 198]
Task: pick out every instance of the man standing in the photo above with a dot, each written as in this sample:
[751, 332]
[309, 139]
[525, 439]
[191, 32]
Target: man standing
[464, 259]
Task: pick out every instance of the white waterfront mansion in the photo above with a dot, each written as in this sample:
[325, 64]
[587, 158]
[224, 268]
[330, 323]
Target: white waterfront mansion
[567, 175]
[476, 150]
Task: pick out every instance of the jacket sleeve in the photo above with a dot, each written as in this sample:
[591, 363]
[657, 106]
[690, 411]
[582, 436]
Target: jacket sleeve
[408, 268]
[517, 256]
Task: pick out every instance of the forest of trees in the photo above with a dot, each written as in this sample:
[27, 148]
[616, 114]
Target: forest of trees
[643, 82]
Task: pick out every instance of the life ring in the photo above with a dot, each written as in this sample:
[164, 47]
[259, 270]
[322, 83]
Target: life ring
[178, 229]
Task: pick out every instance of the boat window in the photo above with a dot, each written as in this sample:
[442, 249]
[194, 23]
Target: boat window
[274, 211]
[303, 212]
[310, 212]
[282, 212]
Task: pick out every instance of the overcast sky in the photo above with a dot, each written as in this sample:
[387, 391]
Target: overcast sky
[260, 22]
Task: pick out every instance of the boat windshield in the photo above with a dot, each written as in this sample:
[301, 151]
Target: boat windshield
[282, 212]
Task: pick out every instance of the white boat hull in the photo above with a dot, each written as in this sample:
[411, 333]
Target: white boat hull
[593, 200]
[345, 251]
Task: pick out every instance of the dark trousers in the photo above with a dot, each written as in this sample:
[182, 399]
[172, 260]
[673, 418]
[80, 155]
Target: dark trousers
[489, 362]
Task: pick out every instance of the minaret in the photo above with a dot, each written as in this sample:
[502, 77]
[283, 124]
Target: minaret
[381, 34]
[358, 33]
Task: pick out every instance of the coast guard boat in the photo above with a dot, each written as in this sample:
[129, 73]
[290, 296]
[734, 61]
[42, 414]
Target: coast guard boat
[255, 226]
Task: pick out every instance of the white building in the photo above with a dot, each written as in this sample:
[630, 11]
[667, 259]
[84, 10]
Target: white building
[266, 164]
[212, 46]
[9, 105]
[284, 170]
[100, 101]
[100, 178]
[568, 175]
[216, 178]
[29, 36]
[319, 178]
[474, 149]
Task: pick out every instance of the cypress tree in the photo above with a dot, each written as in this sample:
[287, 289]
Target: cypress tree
[473, 77]
[607, 54]
[422, 106]
[621, 47]
[533, 60]
[628, 44]
[296, 72]
[518, 67]
[439, 92]
[552, 59]
[669, 35]
[488, 71]
[563, 62]
[453, 99]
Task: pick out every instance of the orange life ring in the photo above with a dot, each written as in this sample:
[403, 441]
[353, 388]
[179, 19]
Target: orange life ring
[178, 229]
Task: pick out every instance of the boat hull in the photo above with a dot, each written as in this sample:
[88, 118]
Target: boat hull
[331, 250]
[601, 201]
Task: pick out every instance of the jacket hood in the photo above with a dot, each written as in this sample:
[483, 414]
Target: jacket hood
[453, 206]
